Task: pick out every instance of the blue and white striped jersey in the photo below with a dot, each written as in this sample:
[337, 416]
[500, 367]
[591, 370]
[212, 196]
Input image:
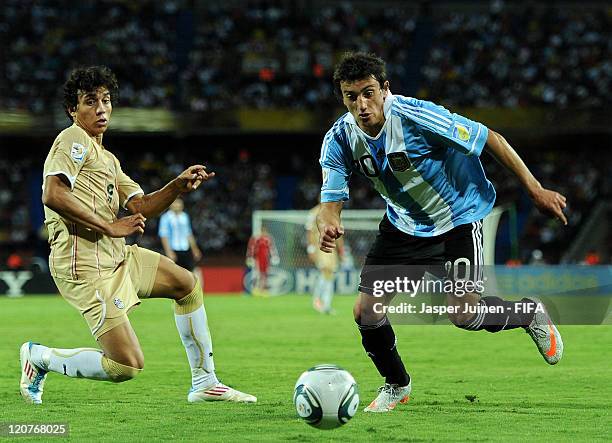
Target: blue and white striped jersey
[424, 163]
[176, 228]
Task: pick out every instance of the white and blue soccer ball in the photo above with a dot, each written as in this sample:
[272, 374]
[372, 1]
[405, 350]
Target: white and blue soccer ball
[326, 396]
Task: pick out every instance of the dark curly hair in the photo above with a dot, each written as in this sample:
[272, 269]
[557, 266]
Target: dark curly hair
[87, 80]
[356, 66]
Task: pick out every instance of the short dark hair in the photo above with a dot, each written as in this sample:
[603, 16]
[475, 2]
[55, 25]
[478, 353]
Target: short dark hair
[356, 66]
[88, 79]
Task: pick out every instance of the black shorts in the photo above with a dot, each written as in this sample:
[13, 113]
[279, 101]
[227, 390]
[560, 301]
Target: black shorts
[456, 254]
[185, 259]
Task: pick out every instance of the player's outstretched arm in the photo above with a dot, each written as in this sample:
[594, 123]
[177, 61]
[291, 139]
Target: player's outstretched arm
[328, 222]
[195, 250]
[58, 197]
[153, 204]
[167, 249]
[547, 201]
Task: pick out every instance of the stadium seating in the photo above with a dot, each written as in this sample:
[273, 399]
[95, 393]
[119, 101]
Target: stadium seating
[205, 56]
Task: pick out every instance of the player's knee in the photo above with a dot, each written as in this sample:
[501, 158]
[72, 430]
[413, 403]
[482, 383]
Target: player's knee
[133, 360]
[190, 302]
[183, 282]
[120, 372]
[368, 310]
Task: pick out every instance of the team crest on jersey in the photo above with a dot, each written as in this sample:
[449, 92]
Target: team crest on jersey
[119, 303]
[77, 152]
[399, 161]
[461, 132]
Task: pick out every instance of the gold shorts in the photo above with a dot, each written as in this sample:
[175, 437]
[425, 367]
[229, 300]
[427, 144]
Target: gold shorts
[325, 261]
[104, 302]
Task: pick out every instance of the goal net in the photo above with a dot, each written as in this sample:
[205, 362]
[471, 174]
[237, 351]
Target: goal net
[295, 274]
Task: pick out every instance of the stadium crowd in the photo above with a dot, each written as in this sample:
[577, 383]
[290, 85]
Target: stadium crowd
[522, 56]
[221, 211]
[44, 40]
[204, 56]
[207, 56]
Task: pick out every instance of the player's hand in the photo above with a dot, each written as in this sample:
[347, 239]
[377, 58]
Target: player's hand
[172, 256]
[192, 177]
[328, 236]
[125, 226]
[197, 255]
[275, 260]
[551, 203]
[250, 262]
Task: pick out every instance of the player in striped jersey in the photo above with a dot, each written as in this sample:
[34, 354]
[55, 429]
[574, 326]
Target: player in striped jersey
[177, 238]
[93, 268]
[424, 161]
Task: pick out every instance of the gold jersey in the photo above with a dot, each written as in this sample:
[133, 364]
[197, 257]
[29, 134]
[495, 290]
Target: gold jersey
[97, 181]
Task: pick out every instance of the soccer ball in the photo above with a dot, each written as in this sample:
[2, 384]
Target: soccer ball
[326, 396]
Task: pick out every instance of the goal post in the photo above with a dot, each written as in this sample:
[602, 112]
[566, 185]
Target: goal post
[295, 272]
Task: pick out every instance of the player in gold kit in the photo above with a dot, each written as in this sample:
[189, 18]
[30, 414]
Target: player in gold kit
[94, 269]
[326, 264]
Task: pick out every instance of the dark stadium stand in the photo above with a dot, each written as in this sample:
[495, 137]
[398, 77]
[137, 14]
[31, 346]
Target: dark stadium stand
[198, 58]
[170, 54]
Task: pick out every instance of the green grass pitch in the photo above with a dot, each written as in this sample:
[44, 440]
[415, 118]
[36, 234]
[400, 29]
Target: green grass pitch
[263, 344]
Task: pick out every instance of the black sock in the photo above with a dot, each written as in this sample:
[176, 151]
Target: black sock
[379, 343]
[513, 315]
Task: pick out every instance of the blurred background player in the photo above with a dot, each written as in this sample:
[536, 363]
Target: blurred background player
[424, 161]
[261, 253]
[177, 237]
[326, 264]
[93, 268]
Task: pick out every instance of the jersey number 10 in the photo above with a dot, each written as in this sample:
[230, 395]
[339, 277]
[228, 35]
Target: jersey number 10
[367, 165]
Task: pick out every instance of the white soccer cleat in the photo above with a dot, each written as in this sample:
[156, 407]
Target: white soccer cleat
[220, 392]
[545, 335]
[388, 397]
[32, 377]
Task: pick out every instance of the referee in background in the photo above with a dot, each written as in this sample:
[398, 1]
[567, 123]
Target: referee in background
[177, 238]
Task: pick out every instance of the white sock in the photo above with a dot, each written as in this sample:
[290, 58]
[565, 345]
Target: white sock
[79, 362]
[193, 329]
[327, 293]
[318, 288]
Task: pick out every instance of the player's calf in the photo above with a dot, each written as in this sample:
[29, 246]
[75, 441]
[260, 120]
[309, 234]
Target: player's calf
[494, 314]
[37, 361]
[379, 341]
[192, 325]
[464, 308]
[87, 363]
